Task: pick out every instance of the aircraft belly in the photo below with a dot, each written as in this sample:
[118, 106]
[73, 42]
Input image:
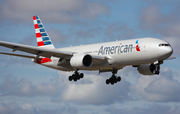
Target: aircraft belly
[62, 68]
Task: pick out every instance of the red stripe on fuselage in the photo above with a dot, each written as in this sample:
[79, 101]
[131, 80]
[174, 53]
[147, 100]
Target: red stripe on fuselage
[43, 60]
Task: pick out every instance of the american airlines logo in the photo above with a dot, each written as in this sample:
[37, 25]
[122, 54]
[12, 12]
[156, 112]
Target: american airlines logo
[118, 49]
[115, 49]
[137, 46]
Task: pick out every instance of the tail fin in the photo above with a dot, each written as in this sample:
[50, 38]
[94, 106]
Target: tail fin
[43, 39]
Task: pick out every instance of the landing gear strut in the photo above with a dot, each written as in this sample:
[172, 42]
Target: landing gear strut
[76, 76]
[113, 79]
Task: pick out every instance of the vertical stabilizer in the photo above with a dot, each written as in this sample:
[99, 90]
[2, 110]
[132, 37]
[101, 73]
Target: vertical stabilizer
[43, 39]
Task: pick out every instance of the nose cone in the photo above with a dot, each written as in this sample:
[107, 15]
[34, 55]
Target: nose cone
[165, 52]
[170, 51]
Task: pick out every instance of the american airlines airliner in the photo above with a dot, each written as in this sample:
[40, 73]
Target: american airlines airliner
[147, 54]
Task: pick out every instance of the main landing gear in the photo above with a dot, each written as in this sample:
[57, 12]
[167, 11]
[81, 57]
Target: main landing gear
[113, 79]
[76, 76]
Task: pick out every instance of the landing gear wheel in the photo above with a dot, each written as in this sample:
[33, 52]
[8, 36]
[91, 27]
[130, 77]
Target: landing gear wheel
[76, 76]
[118, 79]
[107, 81]
[112, 83]
[70, 78]
[113, 79]
[81, 75]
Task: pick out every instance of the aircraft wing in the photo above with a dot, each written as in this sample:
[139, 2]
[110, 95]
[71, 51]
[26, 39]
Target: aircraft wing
[18, 55]
[43, 52]
[35, 50]
[99, 59]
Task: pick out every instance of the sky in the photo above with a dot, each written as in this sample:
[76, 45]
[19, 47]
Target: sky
[26, 87]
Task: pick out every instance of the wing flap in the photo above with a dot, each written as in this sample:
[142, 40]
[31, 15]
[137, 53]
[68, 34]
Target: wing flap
[35, 50]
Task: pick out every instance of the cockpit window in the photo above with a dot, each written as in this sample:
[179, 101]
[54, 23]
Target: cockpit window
[164, 44]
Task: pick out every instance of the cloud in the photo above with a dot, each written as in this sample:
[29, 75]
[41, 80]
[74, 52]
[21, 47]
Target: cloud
[93, 90]
[89, 90]
[13, 108]
[90, 33]
[119, 31]
[152, 17]
[58, 36]
[165, 24]
[27, 106]
[25, 88]
[162, 88]
[96, 92]
[64, 11]
[147, 109]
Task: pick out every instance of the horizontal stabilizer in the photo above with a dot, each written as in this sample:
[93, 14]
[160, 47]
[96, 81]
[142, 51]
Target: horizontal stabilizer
[171, 57]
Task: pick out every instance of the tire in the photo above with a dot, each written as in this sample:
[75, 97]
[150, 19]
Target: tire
[75, 79]
[81, 75]
[118, 79]
[70, 78]
[107, 81]
[112, 83]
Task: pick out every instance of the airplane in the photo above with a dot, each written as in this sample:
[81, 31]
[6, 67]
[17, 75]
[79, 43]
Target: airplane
[147, 54]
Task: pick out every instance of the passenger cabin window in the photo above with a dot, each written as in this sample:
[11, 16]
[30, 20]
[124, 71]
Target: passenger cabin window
[164, 44]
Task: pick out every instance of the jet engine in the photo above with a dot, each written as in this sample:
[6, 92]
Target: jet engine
[148, 69]
[81, 61]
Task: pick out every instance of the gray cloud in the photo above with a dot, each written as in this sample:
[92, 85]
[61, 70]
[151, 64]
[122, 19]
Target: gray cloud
[64, 11]
[166, 24]
[147, 109]
[13, 108]
[58, 36]
[91, 90]
[23, 87]
[152, 17]
[119, 31]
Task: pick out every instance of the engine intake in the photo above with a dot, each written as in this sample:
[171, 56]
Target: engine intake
[81, 61]
[147, 69]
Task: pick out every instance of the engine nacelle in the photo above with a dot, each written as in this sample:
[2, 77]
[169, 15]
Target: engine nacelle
[148, 69]
[81, 61]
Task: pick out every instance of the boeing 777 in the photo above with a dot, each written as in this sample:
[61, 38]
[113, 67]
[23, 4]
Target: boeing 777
[147, 54]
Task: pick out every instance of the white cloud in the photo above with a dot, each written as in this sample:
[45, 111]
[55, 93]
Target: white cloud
[90, 90]
[93, 90]
[162, 88]
[27, 106]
